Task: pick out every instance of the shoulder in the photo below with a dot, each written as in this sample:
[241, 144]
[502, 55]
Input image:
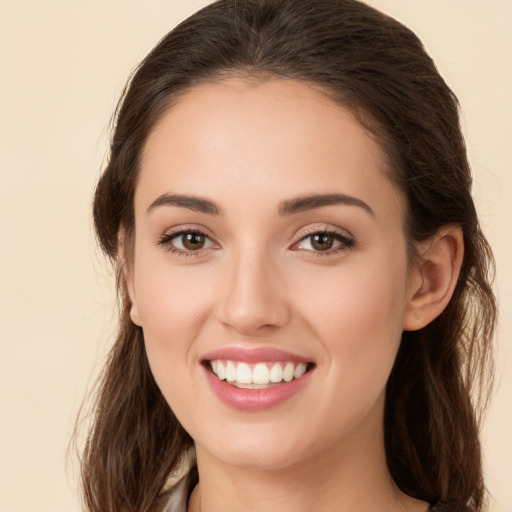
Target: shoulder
[173, 500]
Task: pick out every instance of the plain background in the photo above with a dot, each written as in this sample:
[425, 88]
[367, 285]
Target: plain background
[62, 68]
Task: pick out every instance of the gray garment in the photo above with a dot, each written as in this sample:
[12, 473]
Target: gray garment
[176, 499]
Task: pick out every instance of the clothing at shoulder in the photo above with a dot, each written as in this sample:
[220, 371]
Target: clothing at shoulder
[173, 500]
[445, 508]
[176, 498]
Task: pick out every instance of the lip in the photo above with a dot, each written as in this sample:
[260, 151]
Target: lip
[254, 355]
[254, 399]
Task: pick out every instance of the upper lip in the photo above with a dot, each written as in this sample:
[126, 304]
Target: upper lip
[254, 355]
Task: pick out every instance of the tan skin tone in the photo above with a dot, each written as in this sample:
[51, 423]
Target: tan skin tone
[256, 276]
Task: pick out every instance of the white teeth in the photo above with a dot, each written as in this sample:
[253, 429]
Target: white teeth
[221, 371]
[230, 371]
[260, 376]
[276, 373]
[243, 374]
[251, 386]
[288, 372]
[300, 370]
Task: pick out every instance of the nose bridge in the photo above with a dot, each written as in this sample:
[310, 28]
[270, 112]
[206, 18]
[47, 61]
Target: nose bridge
[254, 296]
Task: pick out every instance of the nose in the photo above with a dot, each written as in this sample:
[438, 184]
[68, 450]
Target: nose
[254, 298]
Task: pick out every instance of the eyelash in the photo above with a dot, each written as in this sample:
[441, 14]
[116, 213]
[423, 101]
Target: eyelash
[346, 243]
[165, 241]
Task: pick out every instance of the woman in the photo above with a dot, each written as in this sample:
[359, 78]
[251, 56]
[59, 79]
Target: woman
[306, 307]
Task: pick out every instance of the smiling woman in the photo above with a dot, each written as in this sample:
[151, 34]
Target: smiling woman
[306, 305]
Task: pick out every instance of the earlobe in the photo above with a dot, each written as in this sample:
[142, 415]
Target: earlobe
[134, 315]
[126, 275]
[435, 277]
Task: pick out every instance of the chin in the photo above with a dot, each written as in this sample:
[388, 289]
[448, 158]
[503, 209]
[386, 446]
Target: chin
[255, 452]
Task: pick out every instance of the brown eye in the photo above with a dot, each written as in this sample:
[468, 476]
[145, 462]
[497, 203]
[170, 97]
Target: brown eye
[193, 241]
[186, 242]
[322, 242]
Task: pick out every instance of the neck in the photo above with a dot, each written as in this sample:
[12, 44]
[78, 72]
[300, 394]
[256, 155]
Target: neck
[354, 478]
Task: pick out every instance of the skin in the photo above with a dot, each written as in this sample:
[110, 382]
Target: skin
[259, 281]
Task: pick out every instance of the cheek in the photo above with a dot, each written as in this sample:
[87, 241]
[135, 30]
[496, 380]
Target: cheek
[357, 315]
[171, 313]
[171, 300]
[173, 305]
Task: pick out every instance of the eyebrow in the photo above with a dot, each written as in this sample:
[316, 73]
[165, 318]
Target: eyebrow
[196, 204]
[288, 207]
[310, 202]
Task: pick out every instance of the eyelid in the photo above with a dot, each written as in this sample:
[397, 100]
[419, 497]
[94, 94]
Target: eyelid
[324, 228]
[164, 240]
[346, 240]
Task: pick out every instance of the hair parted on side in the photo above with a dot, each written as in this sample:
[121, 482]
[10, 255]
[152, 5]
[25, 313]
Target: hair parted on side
[377, 68]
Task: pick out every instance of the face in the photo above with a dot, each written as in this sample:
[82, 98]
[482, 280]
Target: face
[269, 272]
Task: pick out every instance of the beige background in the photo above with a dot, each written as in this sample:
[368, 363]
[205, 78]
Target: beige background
[62, 67]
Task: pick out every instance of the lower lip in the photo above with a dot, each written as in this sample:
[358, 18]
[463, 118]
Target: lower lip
[255, 399]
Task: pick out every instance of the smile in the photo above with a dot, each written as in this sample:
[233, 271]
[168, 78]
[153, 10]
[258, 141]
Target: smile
[256, 379]
[257, 376]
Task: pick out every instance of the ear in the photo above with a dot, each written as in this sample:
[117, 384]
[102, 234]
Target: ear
[124, 263]
[434, 279]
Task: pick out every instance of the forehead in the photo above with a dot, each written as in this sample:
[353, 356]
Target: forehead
[263, 139]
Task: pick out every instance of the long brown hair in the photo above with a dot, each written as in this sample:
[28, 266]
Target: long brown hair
[378, 68]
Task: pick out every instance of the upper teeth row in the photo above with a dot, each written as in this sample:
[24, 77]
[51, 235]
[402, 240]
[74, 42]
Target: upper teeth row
[262, 373]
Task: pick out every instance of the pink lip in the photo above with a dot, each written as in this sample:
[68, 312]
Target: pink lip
[254, 399]
[254, 355]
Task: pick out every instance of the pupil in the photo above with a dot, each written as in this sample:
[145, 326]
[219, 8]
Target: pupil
[193, 241]
[322, 242]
